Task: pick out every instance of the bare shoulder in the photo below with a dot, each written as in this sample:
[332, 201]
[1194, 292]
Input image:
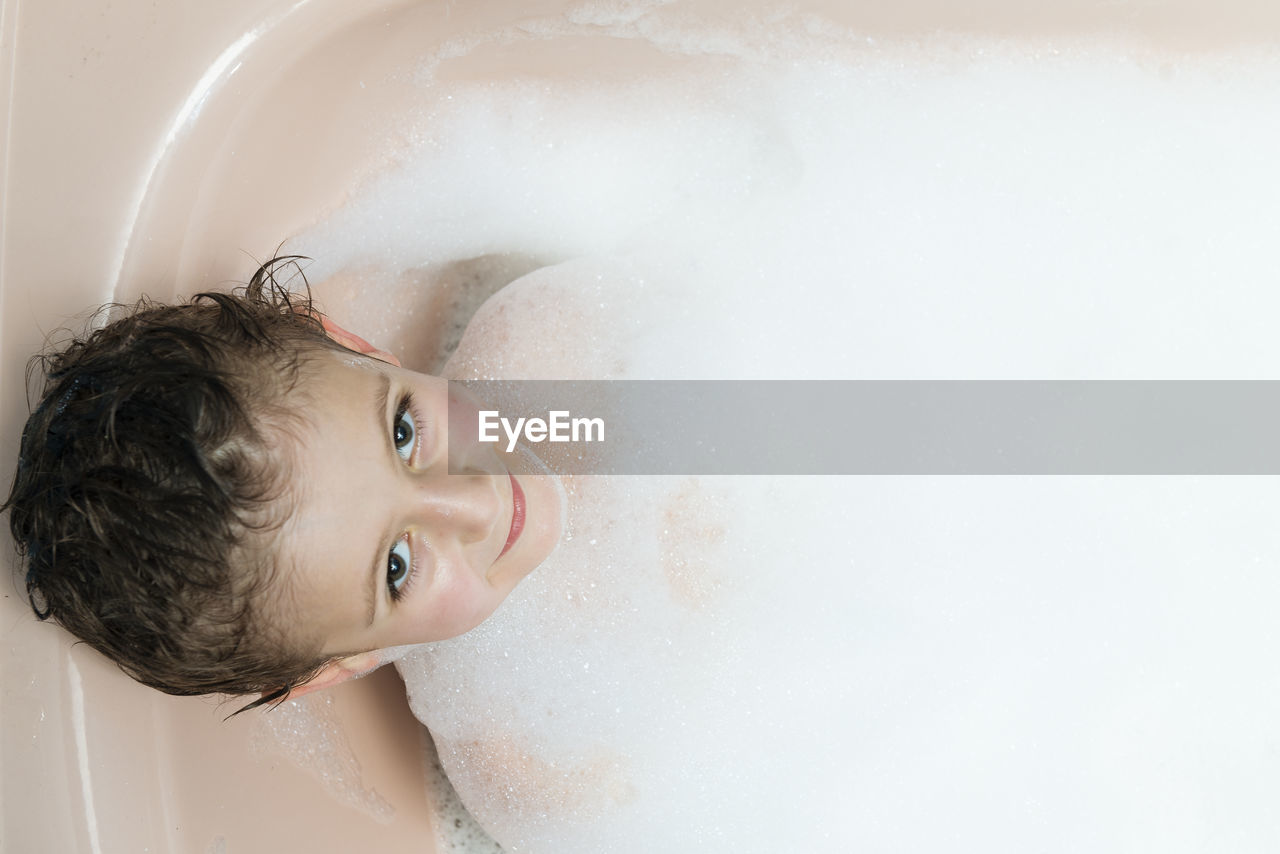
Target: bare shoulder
[568, 321]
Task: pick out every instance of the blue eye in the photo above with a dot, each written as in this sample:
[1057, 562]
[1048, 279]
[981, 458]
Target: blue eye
[404, 432]
[399, 565]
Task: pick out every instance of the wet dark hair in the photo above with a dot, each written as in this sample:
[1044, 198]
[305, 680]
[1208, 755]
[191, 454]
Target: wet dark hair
[145, 493]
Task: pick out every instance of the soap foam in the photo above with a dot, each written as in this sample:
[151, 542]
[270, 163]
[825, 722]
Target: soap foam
[872, 664]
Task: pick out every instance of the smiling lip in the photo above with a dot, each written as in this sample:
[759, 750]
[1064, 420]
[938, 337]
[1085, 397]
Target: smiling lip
[517, 515]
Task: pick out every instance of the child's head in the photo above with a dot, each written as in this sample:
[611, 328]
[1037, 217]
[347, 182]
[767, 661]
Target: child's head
[222, 498]
[145, 494]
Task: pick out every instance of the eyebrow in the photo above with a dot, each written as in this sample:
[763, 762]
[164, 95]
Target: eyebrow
[379, 562]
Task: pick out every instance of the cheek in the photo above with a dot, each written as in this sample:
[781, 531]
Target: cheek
[452, 607]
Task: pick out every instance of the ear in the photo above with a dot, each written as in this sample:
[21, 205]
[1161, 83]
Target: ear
[352, 341]
[337, 672]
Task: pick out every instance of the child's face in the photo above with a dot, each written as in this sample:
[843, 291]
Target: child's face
[385, 547]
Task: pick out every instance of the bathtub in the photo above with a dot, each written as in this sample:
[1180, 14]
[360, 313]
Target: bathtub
[158, 148]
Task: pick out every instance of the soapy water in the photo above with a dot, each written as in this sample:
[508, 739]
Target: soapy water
[308, 732]
[456, 829]
[873, 663]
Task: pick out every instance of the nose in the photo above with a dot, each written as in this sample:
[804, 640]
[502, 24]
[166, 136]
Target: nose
[466, 505]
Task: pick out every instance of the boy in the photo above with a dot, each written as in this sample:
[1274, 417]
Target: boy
[237, 496]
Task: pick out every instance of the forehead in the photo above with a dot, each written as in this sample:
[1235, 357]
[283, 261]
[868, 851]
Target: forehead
[333, 395]
[335, 456]
[326, 372]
